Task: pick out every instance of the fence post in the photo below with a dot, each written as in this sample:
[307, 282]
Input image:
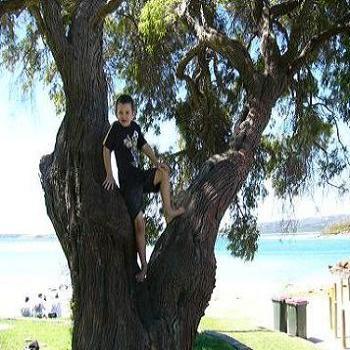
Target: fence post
[343, 330]
[335, 319]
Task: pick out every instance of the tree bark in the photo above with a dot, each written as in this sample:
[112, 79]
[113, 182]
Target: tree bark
[91, 223]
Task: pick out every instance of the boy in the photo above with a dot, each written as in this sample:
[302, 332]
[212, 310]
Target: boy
[125, 138]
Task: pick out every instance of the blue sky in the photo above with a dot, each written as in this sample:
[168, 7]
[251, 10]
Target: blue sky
[28, 128]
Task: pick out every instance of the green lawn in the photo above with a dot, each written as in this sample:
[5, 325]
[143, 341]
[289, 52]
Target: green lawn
[256, 338]
[55, 335]
[51, 334]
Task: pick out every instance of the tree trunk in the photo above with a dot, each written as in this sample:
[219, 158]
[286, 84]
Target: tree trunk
[91, 223]
[110, 310]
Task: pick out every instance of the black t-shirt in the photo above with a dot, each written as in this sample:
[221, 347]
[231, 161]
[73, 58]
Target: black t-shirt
[126, 142]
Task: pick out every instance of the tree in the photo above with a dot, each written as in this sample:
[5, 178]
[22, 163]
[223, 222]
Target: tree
[85, 43]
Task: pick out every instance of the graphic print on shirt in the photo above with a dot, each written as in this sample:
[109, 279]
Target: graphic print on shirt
[131, 143]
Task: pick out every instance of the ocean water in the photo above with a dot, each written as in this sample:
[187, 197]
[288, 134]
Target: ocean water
[32, 264]
[286, 259]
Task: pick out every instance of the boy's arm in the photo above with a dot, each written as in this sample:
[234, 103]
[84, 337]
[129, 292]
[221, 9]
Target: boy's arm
[148, 151]
[109, 182]
[107, 161]
[145, 148]
[108, 147]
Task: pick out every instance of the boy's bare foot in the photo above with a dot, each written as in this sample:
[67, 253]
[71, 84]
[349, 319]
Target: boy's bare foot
[173, 214]
[140, 276]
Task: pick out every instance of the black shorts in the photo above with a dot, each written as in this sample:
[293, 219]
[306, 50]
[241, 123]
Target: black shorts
[133, 192]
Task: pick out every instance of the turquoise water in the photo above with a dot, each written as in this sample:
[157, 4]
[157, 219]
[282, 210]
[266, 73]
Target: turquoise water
[289, 258]
[28, 264]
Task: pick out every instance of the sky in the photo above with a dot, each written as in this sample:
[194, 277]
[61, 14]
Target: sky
[28, 128]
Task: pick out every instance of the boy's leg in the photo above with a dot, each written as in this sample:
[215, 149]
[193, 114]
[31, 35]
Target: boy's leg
[162, 177]
[141, 245]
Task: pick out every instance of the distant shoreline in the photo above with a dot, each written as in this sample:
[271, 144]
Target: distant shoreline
[267, 235]
[344, 234]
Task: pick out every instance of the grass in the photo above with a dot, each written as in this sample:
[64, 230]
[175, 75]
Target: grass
[56, 335]
[204, 342]
[257, 338]
[51, 334]
[338, 228]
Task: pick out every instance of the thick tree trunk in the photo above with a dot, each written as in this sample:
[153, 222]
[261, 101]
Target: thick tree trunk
[91, 223]
[110, 311]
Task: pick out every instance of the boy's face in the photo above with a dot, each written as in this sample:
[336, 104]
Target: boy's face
[125, 114]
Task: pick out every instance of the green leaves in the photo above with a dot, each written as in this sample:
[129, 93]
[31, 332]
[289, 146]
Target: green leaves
[295, 160]
[24, 52]
[155, 20]
[243, 236]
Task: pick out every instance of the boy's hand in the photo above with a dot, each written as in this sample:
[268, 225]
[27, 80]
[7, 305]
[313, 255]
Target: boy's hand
[160, 165]
[109, 182]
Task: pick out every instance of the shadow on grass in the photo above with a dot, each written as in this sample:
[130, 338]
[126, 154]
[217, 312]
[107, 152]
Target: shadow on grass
[315, 340]
[227, 339]
[258, 329]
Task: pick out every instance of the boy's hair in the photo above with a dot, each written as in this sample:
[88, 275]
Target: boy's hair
[124, 98]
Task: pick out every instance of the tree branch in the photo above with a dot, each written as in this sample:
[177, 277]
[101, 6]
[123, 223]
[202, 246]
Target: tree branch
[192, 53]
[258, 7]
[285, 8]
[269, 48]
[281, 29]
[55, 30]
[296, 30]
[111, 6]
[35, 11]
[314, 44]
[192, 83]
[234, 50]
[9, 6]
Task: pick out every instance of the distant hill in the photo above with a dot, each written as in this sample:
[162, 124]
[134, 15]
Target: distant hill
[314, 224]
